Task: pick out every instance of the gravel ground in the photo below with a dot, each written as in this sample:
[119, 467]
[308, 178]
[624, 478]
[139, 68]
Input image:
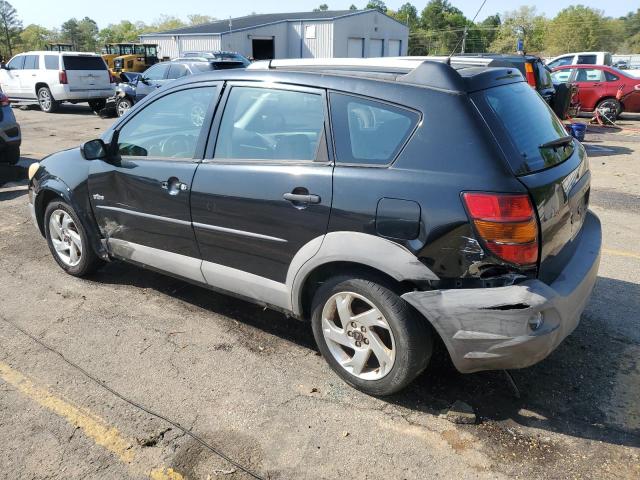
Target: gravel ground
[251, 385]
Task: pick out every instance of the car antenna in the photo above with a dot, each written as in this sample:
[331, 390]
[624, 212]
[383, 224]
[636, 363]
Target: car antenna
[464, 34]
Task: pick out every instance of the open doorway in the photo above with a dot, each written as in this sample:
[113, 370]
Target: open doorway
[263, 48]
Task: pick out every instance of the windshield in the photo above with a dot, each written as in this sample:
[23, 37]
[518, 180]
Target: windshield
[529, 123]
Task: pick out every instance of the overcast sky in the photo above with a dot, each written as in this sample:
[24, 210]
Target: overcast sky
[52, 13]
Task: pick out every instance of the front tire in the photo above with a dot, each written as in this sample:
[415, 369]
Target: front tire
[368, 335]
[46, 101]
[68, 241]
[123, 105]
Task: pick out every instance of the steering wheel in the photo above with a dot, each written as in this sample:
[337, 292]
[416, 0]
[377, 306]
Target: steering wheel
[175, 145]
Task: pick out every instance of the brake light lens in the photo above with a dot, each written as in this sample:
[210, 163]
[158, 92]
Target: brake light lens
[4, 100]
[62, 77]
[531, 78]
[507, 225]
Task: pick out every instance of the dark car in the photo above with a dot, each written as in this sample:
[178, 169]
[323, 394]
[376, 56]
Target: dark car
[224, 59]
[10, 137]
[389, 202]
[561, 97]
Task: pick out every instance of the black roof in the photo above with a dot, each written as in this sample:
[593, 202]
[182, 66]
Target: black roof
[252, 21]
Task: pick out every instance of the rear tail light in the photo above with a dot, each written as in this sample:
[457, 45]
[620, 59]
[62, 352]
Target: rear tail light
[531, 78]
[637, 87]
[62, 77]
[4, 100]
[506, 224]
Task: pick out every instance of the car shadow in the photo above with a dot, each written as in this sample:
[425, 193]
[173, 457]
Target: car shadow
[568, 393]
[602, 151]
[15, 174]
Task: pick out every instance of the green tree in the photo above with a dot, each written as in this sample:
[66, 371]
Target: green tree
[407, 14]
[523, 22]
[322, 8]
[353, 7]
[164, 22]
[70, 32]
[377, 4]
[11, 27]
[35, 37]
[125, 31]
[197, 19]
[576, 29]
[87, 35]
[631, 32]
[441, 28]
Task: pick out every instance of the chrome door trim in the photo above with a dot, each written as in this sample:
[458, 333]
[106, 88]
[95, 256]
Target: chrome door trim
[145, 215]
[242, 233]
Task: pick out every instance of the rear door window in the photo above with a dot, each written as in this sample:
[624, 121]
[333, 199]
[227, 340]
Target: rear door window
[589, 75]
[367, 131]
[271, 124]
[562, 76]
[610, 76]
[587, 59]
[177, 70]
[77, 62]
[31, 62]
[51, 62]
[521, 114]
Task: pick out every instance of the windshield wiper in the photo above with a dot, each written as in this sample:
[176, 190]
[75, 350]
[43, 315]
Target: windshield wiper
[558, 142]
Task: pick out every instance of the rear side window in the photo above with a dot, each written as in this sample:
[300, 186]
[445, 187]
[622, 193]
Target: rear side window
[369, 132]
[31, 62]
[529, 122]
[587, 59]
[610, 76]
[51, 62]
[157, 72]
[543, 75]
[76, 62]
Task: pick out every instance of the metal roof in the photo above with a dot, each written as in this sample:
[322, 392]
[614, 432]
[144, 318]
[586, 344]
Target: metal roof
[252, 21]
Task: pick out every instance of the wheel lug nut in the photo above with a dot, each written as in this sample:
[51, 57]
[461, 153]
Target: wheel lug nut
[366, 341]
[358, 344]
[349, 333]
[353, 324]
[363, 329]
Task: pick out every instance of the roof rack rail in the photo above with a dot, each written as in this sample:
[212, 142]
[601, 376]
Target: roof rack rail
[426, 71]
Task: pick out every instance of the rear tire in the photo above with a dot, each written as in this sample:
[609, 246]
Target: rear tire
[609, 104]
[382, 346]
[68, 241]
[97, 105]
[46, 101]
[11, 155]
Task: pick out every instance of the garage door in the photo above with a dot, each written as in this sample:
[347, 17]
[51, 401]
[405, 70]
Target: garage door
[355, 48]
[376, 47]
[394, 48]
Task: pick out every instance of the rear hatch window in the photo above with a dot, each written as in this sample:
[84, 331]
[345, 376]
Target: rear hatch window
[552, 166]
[529, 123]
[77, 62]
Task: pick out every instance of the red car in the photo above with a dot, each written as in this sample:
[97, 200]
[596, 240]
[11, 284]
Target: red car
[602, 88]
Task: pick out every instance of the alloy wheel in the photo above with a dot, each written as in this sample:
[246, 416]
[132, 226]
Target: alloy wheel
[44, 97]
[122, 107]
[358, 336]
[65, 238]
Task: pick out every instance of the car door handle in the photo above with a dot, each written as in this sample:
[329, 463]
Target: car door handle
[174, 186]
[302, 198]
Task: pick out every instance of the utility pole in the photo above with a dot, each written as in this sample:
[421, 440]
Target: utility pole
[464, 38]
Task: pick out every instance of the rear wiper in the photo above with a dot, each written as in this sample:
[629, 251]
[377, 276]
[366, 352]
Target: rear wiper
[558, 142]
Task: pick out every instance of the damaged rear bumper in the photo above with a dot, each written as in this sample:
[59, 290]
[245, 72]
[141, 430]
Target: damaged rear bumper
[489, 328]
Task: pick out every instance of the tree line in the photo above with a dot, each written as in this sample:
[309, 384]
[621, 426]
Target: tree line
[438, 29]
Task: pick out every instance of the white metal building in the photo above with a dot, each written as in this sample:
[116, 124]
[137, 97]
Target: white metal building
[345, 33]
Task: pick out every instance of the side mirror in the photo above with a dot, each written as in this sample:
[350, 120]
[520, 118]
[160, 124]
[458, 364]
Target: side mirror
[93, 149]
[144, 80]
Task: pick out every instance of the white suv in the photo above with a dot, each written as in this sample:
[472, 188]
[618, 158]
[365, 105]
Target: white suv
[49, 78]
